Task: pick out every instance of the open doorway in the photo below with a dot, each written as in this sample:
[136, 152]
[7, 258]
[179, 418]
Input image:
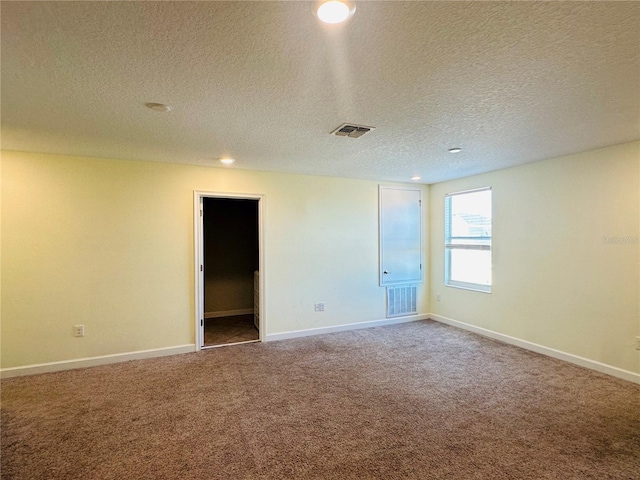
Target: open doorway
[229, 283]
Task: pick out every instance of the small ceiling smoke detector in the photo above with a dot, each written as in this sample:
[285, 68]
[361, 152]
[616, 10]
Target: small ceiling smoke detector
[334, 11]
[158, 107]
[455, 150]
[351, 131]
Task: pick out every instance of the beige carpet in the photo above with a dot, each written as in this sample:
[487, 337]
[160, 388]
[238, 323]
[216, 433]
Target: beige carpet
[415, 401]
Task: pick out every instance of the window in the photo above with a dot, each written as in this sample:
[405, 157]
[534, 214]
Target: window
[467, 227]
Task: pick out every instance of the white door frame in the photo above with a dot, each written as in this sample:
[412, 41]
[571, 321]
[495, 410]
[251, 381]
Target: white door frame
[198, 201]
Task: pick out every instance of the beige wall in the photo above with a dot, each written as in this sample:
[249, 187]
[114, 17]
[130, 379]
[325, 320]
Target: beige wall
[557, 282]
[109, 244]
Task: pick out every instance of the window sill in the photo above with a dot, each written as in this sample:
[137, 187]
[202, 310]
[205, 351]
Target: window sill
[471, 287]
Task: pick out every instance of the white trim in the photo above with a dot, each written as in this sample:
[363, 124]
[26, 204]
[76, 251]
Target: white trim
[198, 196]
[229, 313]
[479, 189]
[94, 361]
[343, 328]
[550, 352]
[199, 260]
[470, 287]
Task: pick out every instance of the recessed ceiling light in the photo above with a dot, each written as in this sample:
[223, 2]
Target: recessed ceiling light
[227, 161]
[158, 107]
[416, 177]
[335, 11]
[455, 150]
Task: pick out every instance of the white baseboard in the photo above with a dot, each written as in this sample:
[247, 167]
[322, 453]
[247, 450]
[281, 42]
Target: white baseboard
[550, 352]
[94, 361]
[229, 313]
[342, 328]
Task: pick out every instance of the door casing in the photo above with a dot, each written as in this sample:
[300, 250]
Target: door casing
[198, 201]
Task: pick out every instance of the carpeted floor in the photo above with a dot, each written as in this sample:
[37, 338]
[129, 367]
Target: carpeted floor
[419, 400]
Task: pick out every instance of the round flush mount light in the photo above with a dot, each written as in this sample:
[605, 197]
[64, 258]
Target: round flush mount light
[416, 178]
[227, 161]
[158, 107]
[334, 11]
[455, 150]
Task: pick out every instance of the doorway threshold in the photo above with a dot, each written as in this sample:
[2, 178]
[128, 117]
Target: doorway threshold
[206, 347]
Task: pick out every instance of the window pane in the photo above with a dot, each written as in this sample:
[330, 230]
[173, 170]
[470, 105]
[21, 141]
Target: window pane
[468, 239]
[470, 217]
[470, 266]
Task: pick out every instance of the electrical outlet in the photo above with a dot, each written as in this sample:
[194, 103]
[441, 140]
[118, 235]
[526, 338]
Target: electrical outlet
[437, 297]
[319, 307]
[638, 343]
[78, 331]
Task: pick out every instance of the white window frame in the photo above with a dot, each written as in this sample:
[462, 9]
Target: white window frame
[449, 246]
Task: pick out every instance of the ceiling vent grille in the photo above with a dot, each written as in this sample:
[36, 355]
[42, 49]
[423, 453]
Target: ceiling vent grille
[351, 131]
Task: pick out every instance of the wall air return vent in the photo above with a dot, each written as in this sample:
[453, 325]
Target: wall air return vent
[351, 131]
[402, 300]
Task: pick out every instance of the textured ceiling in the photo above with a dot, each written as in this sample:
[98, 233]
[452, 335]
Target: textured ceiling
[265, 82]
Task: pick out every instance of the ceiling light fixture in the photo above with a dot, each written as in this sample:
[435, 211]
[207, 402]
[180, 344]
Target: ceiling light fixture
[455, 150]
[416, 177]
[158, 107]
[227, 161]
[335, 11]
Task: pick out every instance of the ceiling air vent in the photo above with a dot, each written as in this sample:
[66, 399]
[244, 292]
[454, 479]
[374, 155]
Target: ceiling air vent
[350, 130]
